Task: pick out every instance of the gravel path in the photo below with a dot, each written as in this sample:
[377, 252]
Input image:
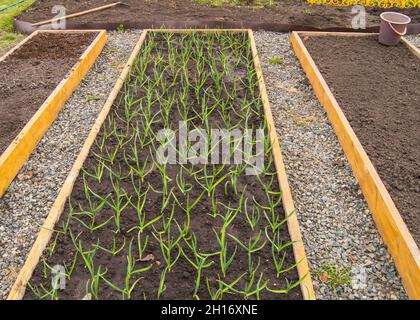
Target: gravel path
[31, 195]
[336, 223]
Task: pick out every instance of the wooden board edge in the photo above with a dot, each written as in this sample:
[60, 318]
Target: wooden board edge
[196, 30]
[20, 149]
[329, 33]
[288, 204]
[71, 31]
[394, 232]
[18, 289]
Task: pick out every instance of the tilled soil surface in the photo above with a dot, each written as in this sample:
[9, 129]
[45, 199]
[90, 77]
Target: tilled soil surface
[31, 73]
[282, 12]
[378, 89]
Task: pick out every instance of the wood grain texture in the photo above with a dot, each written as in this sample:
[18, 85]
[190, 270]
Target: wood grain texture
[18, 290]
[16, 154]
[391, 226]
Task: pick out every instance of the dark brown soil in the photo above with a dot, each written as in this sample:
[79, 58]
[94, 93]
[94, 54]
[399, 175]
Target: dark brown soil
[180, 280]
[378, 89]
[31, 73]
[283, 12]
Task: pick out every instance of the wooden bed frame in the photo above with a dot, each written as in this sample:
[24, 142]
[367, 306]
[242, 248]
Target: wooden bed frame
[18, 289]
[18, 152]
[391, 226]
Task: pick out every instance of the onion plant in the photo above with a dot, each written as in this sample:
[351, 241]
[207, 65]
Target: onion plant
[252, 247]
[129, 284]
[199, 263]
[223, 287]
[227, 219]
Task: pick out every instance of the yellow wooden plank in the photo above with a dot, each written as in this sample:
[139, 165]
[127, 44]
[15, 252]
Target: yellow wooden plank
[288, 205]
[341, 34]
[391, 226]
[14, 157]
[198, 30]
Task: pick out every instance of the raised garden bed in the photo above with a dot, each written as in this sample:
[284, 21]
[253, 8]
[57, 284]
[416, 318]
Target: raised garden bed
[37, 77]
[129, 226]
[370, 93]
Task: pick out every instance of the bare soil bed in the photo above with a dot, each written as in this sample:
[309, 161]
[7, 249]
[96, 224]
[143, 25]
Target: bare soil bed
[378, 88]
[126, 210]
[30, 74]
[282, 12]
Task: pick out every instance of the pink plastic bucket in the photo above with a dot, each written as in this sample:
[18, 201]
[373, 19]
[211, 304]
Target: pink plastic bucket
[393, 26]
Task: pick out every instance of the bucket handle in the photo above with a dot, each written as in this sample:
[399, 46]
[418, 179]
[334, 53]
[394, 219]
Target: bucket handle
[396, 31]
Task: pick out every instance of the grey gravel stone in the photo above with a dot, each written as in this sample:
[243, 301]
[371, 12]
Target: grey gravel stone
[336, 224]
[31, 195]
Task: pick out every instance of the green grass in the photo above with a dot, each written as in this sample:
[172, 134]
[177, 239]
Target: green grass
[7, 37]
[6, 17]
[334, 276]
[8, 40]
[275, 60]
[120, 28]
[90, 98]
